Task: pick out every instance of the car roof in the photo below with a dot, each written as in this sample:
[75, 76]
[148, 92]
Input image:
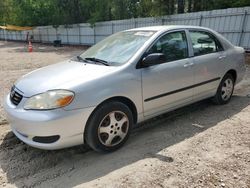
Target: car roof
[161, 29]
[166, 28]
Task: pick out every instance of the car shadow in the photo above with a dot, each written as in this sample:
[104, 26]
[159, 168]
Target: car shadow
[27, 166]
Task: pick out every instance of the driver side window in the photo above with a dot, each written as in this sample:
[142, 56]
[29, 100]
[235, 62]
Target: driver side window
[172, 45]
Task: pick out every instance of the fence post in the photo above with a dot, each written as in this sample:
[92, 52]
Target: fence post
[112, 27]
[242, 28]
[32, 33]
[4, 33]
[135, 24]
[162, 21]
[201, 18]
[67, 35]
[80, 38]
[47, 33]
[94, 35]
[39, 38]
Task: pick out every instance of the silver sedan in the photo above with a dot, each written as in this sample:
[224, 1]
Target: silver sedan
[127, 78]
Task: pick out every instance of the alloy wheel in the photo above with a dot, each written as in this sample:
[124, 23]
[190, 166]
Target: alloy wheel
[113, 128]
[227, 89]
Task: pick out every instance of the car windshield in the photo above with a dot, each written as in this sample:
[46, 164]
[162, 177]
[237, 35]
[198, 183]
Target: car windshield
[117, 49]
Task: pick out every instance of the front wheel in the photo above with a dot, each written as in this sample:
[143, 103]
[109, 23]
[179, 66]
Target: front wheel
[225, 90]
[109, 127]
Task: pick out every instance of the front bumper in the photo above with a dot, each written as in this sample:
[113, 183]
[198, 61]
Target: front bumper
[68, 124]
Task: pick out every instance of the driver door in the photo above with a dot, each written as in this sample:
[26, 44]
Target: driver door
[168, 85]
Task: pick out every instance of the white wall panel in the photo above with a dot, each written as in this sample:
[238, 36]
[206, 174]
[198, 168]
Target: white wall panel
[227, 21]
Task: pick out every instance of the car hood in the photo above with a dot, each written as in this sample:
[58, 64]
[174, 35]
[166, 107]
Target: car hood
[57, 76]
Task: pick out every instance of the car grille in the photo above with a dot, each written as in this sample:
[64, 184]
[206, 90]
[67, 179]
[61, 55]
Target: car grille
[15, 97]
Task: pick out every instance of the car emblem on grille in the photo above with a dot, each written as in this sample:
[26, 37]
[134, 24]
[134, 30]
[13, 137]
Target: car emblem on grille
[15, 96]
[12, 92]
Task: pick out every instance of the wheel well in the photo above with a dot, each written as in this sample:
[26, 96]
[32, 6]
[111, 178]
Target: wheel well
[125, 101]
[233, 73]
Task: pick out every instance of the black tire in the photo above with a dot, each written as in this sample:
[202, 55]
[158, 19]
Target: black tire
[102, 115]
[218, 98]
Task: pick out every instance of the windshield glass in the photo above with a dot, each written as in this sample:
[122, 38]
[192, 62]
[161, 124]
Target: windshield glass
[117, 49]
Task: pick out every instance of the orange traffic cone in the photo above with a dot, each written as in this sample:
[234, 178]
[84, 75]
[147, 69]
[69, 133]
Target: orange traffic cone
[30, 48]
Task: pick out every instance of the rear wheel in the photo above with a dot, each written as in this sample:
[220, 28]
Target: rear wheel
[225, 90]
[109, 127]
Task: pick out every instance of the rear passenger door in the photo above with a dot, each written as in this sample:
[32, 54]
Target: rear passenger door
[208, 58]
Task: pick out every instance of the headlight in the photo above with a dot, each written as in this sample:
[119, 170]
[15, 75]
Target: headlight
[49, 100]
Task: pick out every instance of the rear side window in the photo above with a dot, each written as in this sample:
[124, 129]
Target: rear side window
[172, 45]
[204, 43]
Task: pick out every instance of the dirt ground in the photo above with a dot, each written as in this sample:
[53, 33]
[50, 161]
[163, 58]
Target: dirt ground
[201, 145]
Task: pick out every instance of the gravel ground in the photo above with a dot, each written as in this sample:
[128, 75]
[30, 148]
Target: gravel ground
[201, 145]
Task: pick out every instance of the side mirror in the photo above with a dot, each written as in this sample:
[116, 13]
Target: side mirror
[153, 59]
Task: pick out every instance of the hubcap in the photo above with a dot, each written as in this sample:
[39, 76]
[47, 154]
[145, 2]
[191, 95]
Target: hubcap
[113, 128]
[227, 89]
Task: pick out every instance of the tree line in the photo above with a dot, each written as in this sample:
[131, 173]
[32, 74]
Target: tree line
[63, 12]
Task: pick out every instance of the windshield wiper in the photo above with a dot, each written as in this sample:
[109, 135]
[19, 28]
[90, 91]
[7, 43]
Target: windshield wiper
[98, 60]
[81, 59]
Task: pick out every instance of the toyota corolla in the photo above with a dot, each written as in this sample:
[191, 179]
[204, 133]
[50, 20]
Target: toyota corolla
[127, 78]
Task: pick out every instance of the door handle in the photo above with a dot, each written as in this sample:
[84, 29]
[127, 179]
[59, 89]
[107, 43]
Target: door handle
[188, 64]
[222, 57]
